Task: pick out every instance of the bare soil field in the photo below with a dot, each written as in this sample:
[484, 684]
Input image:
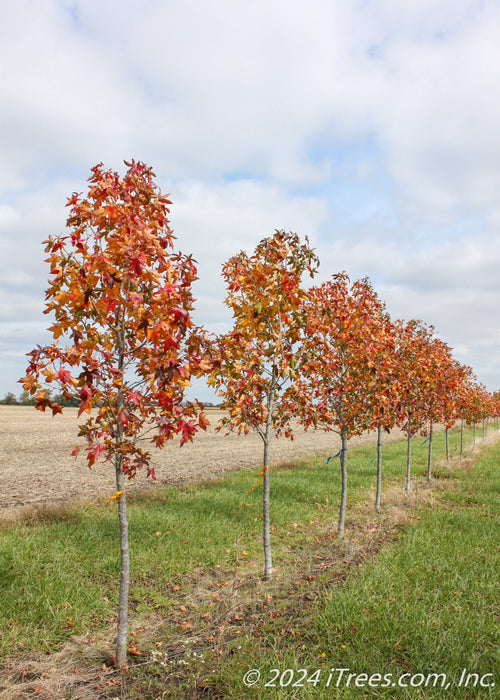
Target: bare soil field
[37, 468]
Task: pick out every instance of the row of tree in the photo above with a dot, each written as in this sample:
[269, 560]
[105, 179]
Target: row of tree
[125, 344]
[331, 358]
[25, 399]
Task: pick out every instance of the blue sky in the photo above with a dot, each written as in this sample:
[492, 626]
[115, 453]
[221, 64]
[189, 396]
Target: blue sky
[369, 126]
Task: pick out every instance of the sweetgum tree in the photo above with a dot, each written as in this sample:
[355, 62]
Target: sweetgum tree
[449, 381]
[385, 390]
[414, 367]
[440, 391]
[347, 364]
[466, 390]
[124, 344]
[261, 354]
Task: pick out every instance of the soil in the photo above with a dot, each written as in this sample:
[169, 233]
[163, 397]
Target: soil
[37, 468]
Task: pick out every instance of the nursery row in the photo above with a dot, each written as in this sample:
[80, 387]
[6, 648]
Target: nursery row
[328, 355]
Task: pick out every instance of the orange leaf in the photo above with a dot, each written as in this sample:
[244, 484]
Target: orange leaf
[115, 496]
[262, 472]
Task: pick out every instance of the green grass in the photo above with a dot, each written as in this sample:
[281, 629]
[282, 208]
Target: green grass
[428, 604]
[425, 603]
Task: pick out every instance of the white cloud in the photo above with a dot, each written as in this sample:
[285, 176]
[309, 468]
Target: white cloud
[440, 111]
[215, 222]
[371, 126]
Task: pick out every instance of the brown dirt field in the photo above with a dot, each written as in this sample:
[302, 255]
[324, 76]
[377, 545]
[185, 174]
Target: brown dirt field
[37, 468]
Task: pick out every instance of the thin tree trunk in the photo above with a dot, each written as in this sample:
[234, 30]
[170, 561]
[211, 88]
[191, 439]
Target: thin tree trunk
[266, 495]
[474, 440]
[447, 445]
[343, 469]
[462, 439]
[408, 457]
[122, 628]
[429, 458]
[266, 499]
[379, 469]
[122, 632]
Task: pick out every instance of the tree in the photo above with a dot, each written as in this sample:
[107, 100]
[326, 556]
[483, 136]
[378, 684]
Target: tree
[465, 395]
[121, 299]
[260, 356]
[495, 402]
[385, 392]
[476, 404]
[344, 359]
[450, 378]
[26, 400]
[413, 358]
[9, 399]
[441, 385]
[67, 403]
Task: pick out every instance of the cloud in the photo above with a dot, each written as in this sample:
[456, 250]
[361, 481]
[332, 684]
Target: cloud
[370, 126]
[214, 88]
[440, 106]
[216, 222]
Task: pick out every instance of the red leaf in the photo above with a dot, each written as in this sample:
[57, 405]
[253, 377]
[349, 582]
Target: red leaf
[135, 397]
[180, 314]
[63, 375]
[187, 429]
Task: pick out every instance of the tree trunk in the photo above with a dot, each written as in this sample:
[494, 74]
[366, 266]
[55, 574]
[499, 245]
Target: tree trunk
[474, 440]
[122, 629]
[379, 469]
[429, 458]
[122, 632]
[408, 457]
[266, 499]
[447, 445]
[462, 439]
[343, 470]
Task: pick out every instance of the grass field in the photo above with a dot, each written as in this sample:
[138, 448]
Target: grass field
[406, 596]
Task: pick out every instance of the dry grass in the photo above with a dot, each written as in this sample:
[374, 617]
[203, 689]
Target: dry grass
[78, 670]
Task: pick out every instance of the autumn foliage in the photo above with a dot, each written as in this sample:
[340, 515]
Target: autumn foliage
[260, 356]
[346, 355]
[346, 384]
[124, 342]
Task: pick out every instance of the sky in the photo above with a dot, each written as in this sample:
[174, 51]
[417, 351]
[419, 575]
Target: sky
[370, 126]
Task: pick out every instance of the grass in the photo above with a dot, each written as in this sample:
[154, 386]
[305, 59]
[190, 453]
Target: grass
[411, 590]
